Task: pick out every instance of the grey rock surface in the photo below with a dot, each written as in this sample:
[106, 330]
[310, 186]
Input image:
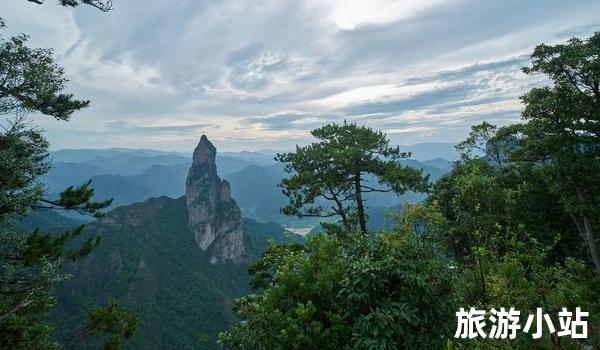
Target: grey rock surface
[214, 218]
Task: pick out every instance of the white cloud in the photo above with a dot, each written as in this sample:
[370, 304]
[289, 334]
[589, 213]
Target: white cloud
[376, 93]
[256, 74]
[120, 76]
[350, 14]
[51, 26]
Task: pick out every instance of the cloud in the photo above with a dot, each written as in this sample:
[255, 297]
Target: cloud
[129, 129]
[349, 15]
[579, 30]
[265, 68]
[262, 74]
[296, 121]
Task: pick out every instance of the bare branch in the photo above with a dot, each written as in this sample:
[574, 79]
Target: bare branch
[26, 302]
[56, 206]
[371, 189]
[102, 5]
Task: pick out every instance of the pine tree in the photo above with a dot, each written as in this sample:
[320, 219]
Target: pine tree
[335, 168]
[30, 81]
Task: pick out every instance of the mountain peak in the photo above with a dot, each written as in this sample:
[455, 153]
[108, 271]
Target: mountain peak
[205, 151]
[213, 216]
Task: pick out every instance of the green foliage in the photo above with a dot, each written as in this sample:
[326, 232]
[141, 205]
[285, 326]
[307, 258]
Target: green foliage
[30, 81]
[24, 294]
[422, 222]
[52, 246]
[381, 291]
[23, 157]
[398, 293]
[262, 270]
[297, 308]
[512, 240]
[77, 199]
[478, 141]
[29, 270]
[333, 170]
[511, 269]
[562, 130]
[521, 218]
[488, 205]
[111, 321]
[525, 279]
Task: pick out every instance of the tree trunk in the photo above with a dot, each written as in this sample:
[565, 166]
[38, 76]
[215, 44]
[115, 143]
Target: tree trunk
[590, 240]
[87, 332]
[340, 210]
[359, 205]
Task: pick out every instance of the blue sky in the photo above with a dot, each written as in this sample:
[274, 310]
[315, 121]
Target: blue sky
[263, 73]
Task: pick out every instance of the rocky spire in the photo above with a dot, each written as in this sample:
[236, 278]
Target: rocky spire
[213, 216]
[205, 152]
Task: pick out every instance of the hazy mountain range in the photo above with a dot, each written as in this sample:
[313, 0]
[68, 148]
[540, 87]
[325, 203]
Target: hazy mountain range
[133, 175]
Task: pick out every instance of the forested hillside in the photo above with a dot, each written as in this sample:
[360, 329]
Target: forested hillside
[153, 266]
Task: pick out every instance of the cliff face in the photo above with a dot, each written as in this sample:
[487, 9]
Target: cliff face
[213, 216]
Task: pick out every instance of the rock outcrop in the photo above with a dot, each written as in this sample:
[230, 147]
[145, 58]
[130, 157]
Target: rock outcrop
[213, 216]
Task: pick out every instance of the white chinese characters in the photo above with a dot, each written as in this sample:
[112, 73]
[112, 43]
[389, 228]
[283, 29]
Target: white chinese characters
[505, 324]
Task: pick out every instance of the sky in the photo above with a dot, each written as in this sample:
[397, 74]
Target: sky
[261, 74]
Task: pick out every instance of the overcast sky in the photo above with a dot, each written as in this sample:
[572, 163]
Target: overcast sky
[261, 74]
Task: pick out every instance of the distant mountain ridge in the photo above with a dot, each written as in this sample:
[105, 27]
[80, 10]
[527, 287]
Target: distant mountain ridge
[420, 151]
[431, 150]
[253, 175]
